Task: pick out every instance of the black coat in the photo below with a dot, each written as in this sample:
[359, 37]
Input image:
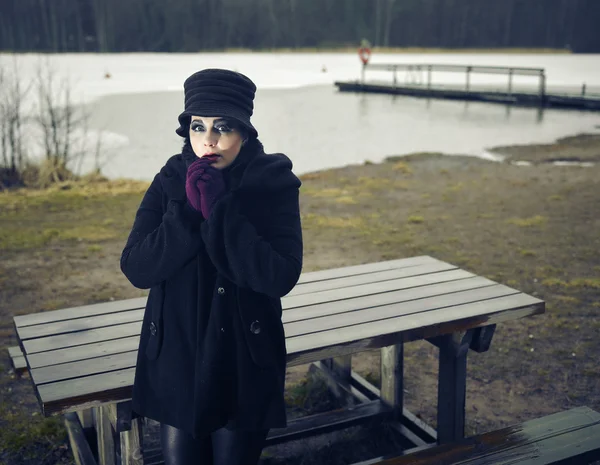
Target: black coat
[212, 346]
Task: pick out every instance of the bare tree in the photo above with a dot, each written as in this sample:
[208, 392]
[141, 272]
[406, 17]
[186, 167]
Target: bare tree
[12, 96]
[63, 126]
[58, 119]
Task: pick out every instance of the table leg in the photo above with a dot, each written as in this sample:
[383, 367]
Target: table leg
[341, 369]
[452, 381]
[129, 430]
[131, 444]
[392, 373]
[86, 417]
[105, 434]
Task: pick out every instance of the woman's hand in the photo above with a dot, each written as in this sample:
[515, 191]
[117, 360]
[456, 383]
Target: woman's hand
[204, 185]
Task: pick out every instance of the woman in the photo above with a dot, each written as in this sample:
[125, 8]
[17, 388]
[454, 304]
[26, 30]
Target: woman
[217, 239]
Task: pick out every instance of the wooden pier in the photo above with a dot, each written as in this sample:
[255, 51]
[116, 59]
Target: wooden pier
[419, 83]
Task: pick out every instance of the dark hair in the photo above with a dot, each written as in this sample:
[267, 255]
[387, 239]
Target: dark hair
[187, 144]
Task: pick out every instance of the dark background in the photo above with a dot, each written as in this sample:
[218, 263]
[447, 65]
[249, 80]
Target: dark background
[196, 25]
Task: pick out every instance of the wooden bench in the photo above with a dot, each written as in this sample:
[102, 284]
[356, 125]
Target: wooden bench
[569, 437]
[83, 359]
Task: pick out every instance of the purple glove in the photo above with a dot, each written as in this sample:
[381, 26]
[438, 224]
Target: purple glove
[192, 181]
[204, 185]
[212, 188]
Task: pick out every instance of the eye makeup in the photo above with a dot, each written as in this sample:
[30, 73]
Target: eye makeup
[222, 126]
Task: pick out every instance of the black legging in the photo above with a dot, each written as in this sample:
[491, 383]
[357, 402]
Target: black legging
[222, 447]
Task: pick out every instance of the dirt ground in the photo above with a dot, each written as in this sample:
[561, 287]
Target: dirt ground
[535, 228]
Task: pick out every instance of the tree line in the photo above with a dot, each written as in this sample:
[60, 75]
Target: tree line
[203, 25]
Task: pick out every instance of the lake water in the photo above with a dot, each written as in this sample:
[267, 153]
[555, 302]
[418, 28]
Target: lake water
[300, 112]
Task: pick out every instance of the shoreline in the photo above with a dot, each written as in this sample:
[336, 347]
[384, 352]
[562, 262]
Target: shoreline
[578, 148]
[581, 148]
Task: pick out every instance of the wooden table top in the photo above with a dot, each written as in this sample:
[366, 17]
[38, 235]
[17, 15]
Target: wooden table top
[85, 356]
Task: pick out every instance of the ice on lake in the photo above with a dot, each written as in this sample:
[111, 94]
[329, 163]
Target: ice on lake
[299, 112]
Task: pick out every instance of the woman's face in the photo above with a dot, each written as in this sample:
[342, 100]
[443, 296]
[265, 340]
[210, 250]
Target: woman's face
[215, 135]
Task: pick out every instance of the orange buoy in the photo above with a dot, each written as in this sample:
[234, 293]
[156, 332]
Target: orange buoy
[364, 53]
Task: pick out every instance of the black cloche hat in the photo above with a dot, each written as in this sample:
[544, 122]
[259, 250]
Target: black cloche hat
[218, 92]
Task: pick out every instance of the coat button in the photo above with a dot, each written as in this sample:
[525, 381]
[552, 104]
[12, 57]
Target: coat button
[221, 291]
[153, 329]
[255, 327]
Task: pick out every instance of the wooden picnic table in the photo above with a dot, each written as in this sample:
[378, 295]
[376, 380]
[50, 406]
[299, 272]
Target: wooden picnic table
[82, 359]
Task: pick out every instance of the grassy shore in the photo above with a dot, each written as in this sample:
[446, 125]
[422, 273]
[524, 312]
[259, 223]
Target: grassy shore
[535, 228]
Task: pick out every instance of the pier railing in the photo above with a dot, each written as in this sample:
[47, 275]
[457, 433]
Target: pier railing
[419, 84]
[466, 69]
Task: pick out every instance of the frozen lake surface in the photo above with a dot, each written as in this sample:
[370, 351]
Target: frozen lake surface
[299, 112]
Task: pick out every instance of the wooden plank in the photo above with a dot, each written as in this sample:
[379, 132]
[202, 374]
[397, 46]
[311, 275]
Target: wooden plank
[15, 351]
[409, 439]
[452, 386]
[23, 321]
[60, 396]
[572, 448]
[105, 435]
[341, 368]
[131, 444]
[378, 276]
[569, 437]
[83, 352]
[106, 364]
[19, 364]
[17, 360]
[131, 329]
[328, 421]
[332, 273]
[80, 324]
[430, 276]
[365, 387]
[77, 441]
[85, 311]
[341, 390]
[392, 378]
[415, 308]
[101, 321]
[482, 338]
[81, 393]
[425, 432]
[86, 418]
[398, 291]
[317, 346]
[86, 337]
